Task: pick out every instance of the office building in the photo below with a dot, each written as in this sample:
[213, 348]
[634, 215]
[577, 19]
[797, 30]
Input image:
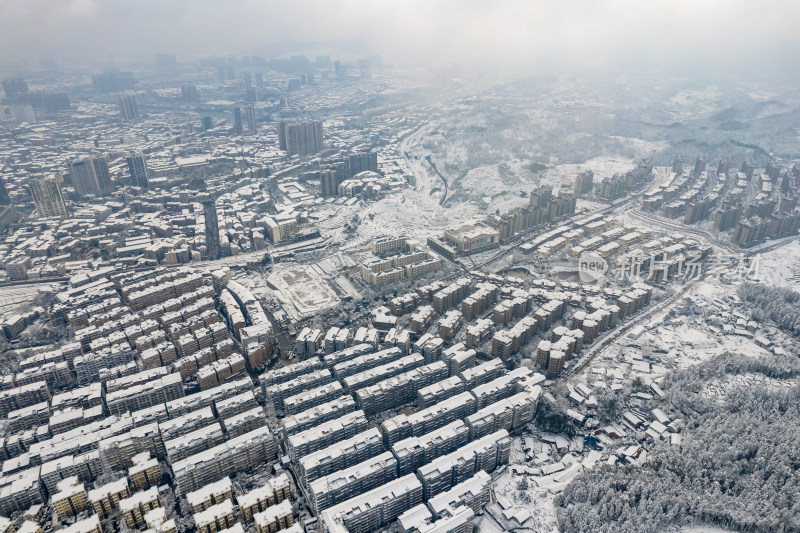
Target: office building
[211, 226]
[90, 176]
[238, 124]
[13, 86]
[22, 113]
[250, 114]
[137, 165]
[466, 240]
[189, 92]
[48, 197]
[128, 108]
[302, 139]
[4, 198]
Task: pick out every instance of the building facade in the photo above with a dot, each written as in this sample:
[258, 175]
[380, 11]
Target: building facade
[48, 197]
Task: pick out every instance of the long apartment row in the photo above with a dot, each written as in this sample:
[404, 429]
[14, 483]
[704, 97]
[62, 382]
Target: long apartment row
[444, 443]
[205, 435]
[454, 411]
[218, 507]
[201, 339]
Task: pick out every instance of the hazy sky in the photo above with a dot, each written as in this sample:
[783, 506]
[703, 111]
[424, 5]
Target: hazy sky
[524, 35]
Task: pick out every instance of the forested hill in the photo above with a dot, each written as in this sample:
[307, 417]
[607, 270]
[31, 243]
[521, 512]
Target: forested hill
[737, 468]
[779, 304]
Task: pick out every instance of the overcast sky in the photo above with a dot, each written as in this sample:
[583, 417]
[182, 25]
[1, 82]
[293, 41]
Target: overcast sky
[523, 35]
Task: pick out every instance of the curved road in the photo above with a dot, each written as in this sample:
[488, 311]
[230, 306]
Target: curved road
[616, 333]
[635, 213]
[443, 199]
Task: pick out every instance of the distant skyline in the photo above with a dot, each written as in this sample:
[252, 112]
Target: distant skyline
[523, 37]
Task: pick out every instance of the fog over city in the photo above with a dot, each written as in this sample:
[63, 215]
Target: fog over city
[516, 36]
[383, 266]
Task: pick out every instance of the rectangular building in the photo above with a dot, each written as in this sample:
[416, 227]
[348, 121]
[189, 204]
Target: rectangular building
[338, 456]
[374, 509]
[352, 481]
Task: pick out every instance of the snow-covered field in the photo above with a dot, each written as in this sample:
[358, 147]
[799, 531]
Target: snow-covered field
[488, 181]
[719, 388]
[14, 299]
[781, 267]
[404, 213]
[304, 289]
[603, 167]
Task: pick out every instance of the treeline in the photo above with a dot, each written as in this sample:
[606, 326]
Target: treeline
[779, 304]
[737, 467]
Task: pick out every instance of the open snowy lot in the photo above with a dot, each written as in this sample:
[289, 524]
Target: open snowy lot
[404, 213]
[304, 289]
[603, 167]
[781, 267]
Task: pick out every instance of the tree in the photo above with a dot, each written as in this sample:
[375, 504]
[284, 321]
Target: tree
[736, 468]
